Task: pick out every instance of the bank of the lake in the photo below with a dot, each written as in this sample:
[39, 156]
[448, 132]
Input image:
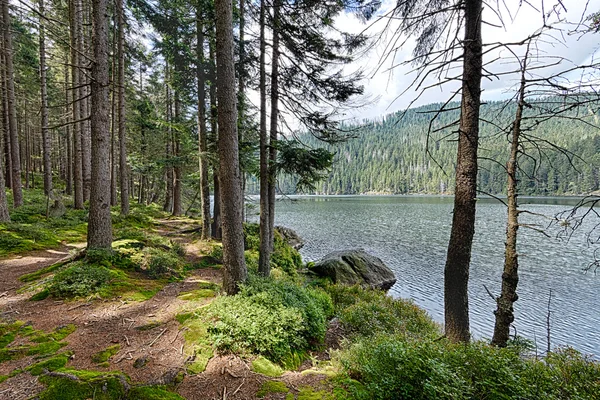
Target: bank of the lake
[410, 233]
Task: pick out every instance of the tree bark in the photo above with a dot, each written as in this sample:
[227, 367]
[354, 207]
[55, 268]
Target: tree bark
[11, 108]
[69, 139]
[85, 109]
[456, 272]
[510, 277]
[75, 12]
[99, 224]
[168, 206]
[231, 199]
[264, 258]
[216, 225]
[177, 208]
[273, 128]
[202, 134]
[121, 91]
[4, 215]
[5, 124]
[47, 146]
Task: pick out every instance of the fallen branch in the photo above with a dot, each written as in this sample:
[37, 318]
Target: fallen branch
[239, 387]
[156, 338]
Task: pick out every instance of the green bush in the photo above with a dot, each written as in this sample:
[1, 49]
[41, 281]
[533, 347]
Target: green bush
[274, 318]
[80, 279]
[391, 367]
[367, 312]
[285, 256]
[162, 263]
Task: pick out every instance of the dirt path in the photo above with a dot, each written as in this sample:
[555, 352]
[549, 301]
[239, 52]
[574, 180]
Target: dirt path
[150, 338]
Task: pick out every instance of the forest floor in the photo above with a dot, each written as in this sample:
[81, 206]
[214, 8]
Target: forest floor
[147, 340]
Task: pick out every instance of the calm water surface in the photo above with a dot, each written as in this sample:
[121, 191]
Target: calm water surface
[410, 234]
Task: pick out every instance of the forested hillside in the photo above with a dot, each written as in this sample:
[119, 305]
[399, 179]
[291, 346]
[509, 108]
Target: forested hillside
[389, 155]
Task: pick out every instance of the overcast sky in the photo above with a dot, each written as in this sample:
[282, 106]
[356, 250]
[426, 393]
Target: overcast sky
[387, 86]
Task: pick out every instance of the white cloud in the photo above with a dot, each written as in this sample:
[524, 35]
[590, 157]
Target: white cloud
[520, 23]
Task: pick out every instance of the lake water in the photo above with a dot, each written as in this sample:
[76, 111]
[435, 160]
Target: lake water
[410, 234]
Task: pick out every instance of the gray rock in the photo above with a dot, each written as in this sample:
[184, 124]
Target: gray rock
[356, 266]
[291, 237]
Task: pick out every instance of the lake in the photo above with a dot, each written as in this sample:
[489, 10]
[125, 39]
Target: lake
[410, 234]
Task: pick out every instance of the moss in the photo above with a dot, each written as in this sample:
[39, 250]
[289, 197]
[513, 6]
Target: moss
[51, 364]
[197, 345]
[13, 353]
[263, 366]
[197, 294]
[182, 317]
[308, 393]
[34, 276]
[41, 295]
[290, 396]
[7, 339]
[149, 326]
[45, 349]
[103, 356]
[152, 393]
[59, 334]
[73, 384]
[3, 378]
[272, 387]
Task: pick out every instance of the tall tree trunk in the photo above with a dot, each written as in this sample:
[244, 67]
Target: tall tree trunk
[11, 107]
[86, 146]
[264, 259]
[456, 272]
[168, 206]
[69, 140]
[242, 100]
[202, 134]
[121, 90]
[510, 277]
[4, 110]
[234, 263]
[274, 120]
[177, 208]
[75, 14]
[216, 225]
[4, 215]
[44, 108]
[100, 225]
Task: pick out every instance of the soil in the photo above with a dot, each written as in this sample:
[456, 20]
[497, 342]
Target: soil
[158, 350]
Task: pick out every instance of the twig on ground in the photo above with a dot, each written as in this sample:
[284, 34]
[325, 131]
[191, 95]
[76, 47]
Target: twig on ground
[156, 338]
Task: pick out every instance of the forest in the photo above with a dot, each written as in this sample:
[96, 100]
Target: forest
[389, 156]
[134, 134]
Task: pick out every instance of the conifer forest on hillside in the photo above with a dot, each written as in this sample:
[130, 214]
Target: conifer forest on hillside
[145, 149]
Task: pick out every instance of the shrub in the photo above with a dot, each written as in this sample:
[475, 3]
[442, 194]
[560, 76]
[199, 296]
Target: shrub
[367, 312]
[161, 263]
[80, 279]
[274, 318]
[391, 367]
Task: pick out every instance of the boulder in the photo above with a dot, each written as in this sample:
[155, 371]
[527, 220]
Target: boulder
[350, 267]
[291, 237]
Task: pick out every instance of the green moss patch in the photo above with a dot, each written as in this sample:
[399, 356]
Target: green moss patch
[51, 364]
[149, 326]
[42, 344]
[263, 366]
[104, 355]
[272, 387]
[152, 393]
[195, 295]
[198, 345]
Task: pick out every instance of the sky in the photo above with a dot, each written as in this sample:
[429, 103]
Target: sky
[390, 89]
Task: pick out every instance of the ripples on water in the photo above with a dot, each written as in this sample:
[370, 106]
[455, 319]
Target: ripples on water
[410, 234]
